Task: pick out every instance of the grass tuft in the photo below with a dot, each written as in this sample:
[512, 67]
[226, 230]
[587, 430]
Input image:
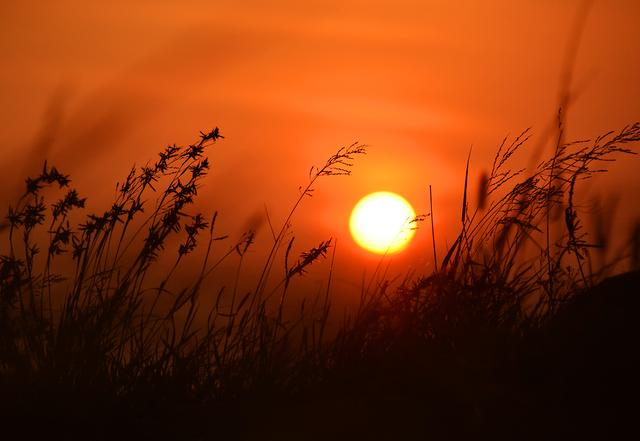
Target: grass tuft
[90, 316]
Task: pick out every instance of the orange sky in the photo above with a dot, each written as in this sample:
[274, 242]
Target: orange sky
[96, 87]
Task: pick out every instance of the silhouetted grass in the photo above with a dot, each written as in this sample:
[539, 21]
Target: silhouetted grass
[90, 332]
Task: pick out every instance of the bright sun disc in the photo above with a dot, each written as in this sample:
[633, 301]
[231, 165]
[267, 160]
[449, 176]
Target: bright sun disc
[381, 222]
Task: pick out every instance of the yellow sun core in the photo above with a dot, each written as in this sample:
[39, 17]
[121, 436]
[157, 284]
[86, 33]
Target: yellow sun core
[381, 222]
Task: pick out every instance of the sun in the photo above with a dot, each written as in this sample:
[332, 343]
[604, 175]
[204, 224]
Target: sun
[381, 222]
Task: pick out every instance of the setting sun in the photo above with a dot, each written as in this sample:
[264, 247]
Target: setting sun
[380, 222]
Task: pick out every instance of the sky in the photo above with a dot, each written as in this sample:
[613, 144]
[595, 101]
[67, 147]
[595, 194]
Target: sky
[97, 86]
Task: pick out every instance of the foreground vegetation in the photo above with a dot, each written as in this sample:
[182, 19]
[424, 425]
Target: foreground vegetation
[513, 334]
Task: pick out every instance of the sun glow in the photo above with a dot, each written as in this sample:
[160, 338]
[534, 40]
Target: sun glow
[381, 222]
